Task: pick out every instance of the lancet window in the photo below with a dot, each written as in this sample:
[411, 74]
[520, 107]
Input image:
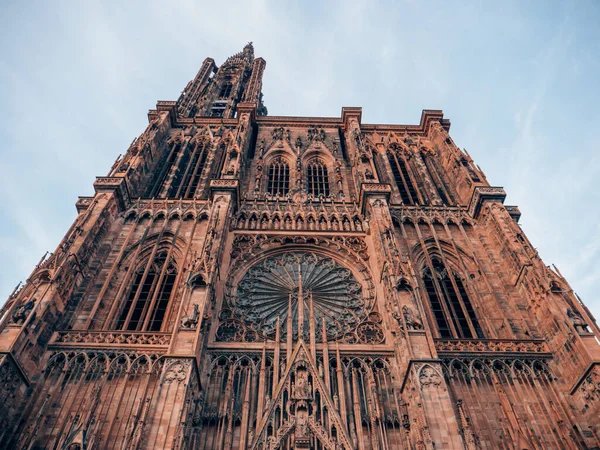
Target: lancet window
[279, 178]
[450, 305]
[192, 171]
[148, 296]
[317, 179]
[225, 91]
[437, 181]
[162, 178]
[402, 178]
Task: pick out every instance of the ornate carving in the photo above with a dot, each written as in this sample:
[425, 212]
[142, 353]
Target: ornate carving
[413, 321]
[429, 377]
[190, 322]
[316, 134]
[489, 346]
[298, 215]
[348, 246]
[430, 214]
[265, 292]
[177, 372]
[21, 313]
[81, 338]
[10, 379]
[590, 388]
[369, 333]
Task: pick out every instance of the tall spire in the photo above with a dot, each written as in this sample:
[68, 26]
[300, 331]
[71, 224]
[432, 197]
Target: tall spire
[238, 79]
[246, 56]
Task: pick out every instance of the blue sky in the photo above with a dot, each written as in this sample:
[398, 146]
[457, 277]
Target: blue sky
[518, 79]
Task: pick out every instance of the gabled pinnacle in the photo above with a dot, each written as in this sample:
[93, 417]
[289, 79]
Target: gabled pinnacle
[249, 50]
[302, 354]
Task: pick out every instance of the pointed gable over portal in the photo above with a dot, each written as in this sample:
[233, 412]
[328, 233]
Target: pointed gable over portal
[310, 413]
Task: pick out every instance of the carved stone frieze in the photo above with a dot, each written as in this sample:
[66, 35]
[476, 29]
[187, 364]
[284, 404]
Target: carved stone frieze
[170, 208]
[443, 346]
[305, 216]
[352, 246]
[429, 214]
[101, 339]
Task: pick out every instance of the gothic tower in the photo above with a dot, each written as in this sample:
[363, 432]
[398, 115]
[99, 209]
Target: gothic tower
[243, 281]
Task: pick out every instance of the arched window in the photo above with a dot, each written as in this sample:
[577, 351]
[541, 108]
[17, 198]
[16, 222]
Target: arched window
[279, 178]
[450, 304]
[148, 297]
[435, 178]
[161, 183]
[193, 171]
[402, 179]
[225, 90]
[317, 179]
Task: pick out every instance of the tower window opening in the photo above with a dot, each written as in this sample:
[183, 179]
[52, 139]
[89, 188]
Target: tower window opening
[450, 305]
[225, 91]
[407, 191]
[148, 297]
[437, 181]
[317, 179]
[279, 179]
[163, 177]
[193, 172]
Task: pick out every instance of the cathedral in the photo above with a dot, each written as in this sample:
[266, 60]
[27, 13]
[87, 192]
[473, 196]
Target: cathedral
[244, 281]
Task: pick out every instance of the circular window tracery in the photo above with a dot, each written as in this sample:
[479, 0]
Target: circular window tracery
[294, 278]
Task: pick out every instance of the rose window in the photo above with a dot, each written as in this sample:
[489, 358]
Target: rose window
[299, 279]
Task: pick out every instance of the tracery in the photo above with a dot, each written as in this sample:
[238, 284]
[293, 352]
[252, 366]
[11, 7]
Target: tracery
[317, 179]
[279, 179]
[303, 281]
[148, 296]
[453, 312]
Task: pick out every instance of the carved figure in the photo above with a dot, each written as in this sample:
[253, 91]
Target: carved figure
[190, 322]
[301, 389]
[412, 321]
[20, 314]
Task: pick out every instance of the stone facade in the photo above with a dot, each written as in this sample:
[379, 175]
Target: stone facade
[244, 281]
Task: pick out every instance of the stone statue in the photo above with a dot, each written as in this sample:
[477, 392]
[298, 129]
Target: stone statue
[301, 389]
[190, 322]
[412, 321]
[20, 314]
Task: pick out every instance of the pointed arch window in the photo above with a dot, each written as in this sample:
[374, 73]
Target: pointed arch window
[160, 186]
[317, 179]
[225, 91]
[148, 297]
[279, 178]
[450, 305]
[436, 179]
[407, 190]
[193, 171]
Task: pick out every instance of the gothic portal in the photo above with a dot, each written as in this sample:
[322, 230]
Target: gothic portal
[244, 281]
